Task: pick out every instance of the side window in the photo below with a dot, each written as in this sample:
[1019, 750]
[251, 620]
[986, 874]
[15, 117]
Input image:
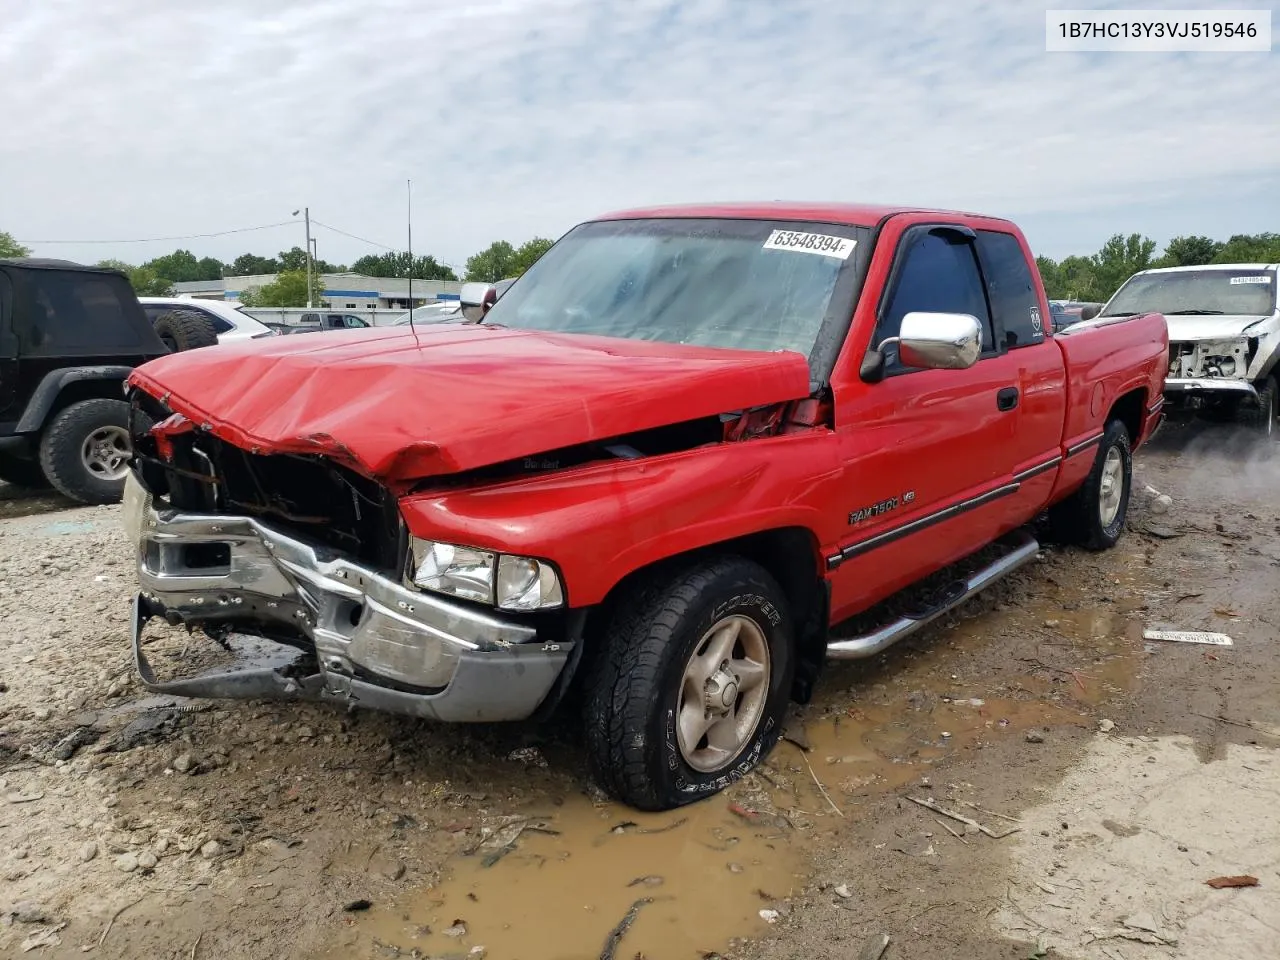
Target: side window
[355, 321]
[1015, 307]
[220, 325]
[78, 313]
[937, 274]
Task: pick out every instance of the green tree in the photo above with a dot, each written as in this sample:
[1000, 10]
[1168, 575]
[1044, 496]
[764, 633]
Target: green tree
[180, 266]
[1049, 277]
[492, 264]
[1189, 252]
[252, 265]
[530, 251]
[289, 289]
[1119, 259]
[1250, 248]
[143, 279]
[10, 247]
[397, 263]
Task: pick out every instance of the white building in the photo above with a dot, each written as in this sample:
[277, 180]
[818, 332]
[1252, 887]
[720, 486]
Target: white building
[342, 291]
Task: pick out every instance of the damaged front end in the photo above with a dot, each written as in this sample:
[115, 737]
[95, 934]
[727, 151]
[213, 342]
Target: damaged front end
[1210, 372]
[304, 553]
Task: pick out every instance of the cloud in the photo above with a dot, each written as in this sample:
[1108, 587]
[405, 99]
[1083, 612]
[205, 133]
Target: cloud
[522, 117]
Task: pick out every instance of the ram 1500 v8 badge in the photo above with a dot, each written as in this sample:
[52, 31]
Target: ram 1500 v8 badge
[664, 467]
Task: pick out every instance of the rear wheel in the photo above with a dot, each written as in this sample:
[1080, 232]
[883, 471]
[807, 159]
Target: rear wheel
[1261, 417]
[182, 330]
[85, 450]
[690, 690]
[22, 473]
[1093, 517]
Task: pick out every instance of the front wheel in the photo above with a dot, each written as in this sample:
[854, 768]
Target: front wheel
[1093, 517]
[692, 684]
[1261, 417]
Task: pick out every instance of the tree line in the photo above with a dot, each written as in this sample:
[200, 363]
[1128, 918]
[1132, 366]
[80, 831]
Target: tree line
[1090, 277]
[1097, 276]
[156, 277]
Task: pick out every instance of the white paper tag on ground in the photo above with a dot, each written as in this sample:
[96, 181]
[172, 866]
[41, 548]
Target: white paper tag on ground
[822, 244]
[1188, 636]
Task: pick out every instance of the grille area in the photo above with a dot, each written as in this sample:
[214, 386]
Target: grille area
[310, 497]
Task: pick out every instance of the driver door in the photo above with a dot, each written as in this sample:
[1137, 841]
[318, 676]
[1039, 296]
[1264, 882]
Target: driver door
[927, 455]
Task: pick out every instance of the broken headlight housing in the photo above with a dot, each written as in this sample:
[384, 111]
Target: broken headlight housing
[507, 582]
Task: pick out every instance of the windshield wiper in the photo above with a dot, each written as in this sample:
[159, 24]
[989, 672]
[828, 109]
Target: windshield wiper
[1194, 313]
[1131, 314]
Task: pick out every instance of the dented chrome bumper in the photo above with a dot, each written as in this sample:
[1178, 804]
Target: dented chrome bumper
[377, 643]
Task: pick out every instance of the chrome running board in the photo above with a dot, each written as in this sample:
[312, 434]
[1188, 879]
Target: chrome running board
[1024, 548]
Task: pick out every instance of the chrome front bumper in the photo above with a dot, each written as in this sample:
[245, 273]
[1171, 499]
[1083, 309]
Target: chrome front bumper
[378, 644]
[1196, 385]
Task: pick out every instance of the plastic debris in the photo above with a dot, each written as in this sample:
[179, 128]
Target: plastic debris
[1189, 636]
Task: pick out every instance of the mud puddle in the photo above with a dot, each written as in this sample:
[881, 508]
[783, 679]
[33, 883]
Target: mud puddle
[554, 884]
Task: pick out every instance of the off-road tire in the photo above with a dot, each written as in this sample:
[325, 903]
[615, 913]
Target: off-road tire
[1077, 520]
[181, 330]
[60, 450]
[1261, 417]
[632, 689]
[22, 473]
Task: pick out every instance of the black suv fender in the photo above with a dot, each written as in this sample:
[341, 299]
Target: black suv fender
[44, 399]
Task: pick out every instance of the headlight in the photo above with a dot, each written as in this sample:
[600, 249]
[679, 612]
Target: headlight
[510, 583]
[526, 584]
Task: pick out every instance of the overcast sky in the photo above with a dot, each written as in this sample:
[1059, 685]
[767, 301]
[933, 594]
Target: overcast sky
[141, 118]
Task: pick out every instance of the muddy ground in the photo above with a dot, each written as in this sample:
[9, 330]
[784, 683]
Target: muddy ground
[1111, 777]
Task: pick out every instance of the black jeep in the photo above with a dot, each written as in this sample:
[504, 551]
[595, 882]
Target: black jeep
[69, 335]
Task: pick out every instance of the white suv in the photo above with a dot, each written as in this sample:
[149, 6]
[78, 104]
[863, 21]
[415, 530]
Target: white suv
[229, 322]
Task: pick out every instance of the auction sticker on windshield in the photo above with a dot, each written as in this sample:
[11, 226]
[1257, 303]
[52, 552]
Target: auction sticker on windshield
[1262, 278]
[819, 243]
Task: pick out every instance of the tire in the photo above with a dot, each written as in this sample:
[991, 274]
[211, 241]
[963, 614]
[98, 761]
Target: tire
[181, 330]
[22, 473]
[1091, 517]
[637, 686]
[73, 450]
[1261, 418]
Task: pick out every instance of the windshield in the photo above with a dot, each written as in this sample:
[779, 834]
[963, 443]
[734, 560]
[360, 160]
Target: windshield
[1196, 292]
[741, 284]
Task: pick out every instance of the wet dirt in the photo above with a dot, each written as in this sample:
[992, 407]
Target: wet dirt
[554, 883]
[310, 810]
[705, 873]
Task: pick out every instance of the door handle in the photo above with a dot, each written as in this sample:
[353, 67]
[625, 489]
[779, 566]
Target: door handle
[1007, 398]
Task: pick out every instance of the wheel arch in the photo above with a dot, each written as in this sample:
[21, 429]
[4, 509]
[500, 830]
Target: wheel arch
[791, 555]
[59, 389]
[1130, 408]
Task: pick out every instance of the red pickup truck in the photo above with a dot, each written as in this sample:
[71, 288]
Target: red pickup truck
[675, 453]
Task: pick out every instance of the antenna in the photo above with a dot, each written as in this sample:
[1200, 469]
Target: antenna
[409, 210]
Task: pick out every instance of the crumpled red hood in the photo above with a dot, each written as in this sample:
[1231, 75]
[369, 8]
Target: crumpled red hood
[398, 406]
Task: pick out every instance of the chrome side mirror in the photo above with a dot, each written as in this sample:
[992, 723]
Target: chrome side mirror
[939, 341]
[476, 298]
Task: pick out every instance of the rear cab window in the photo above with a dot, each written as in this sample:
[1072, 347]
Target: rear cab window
[1015, 305]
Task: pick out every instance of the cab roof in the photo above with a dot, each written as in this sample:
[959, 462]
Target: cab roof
[853, 214]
